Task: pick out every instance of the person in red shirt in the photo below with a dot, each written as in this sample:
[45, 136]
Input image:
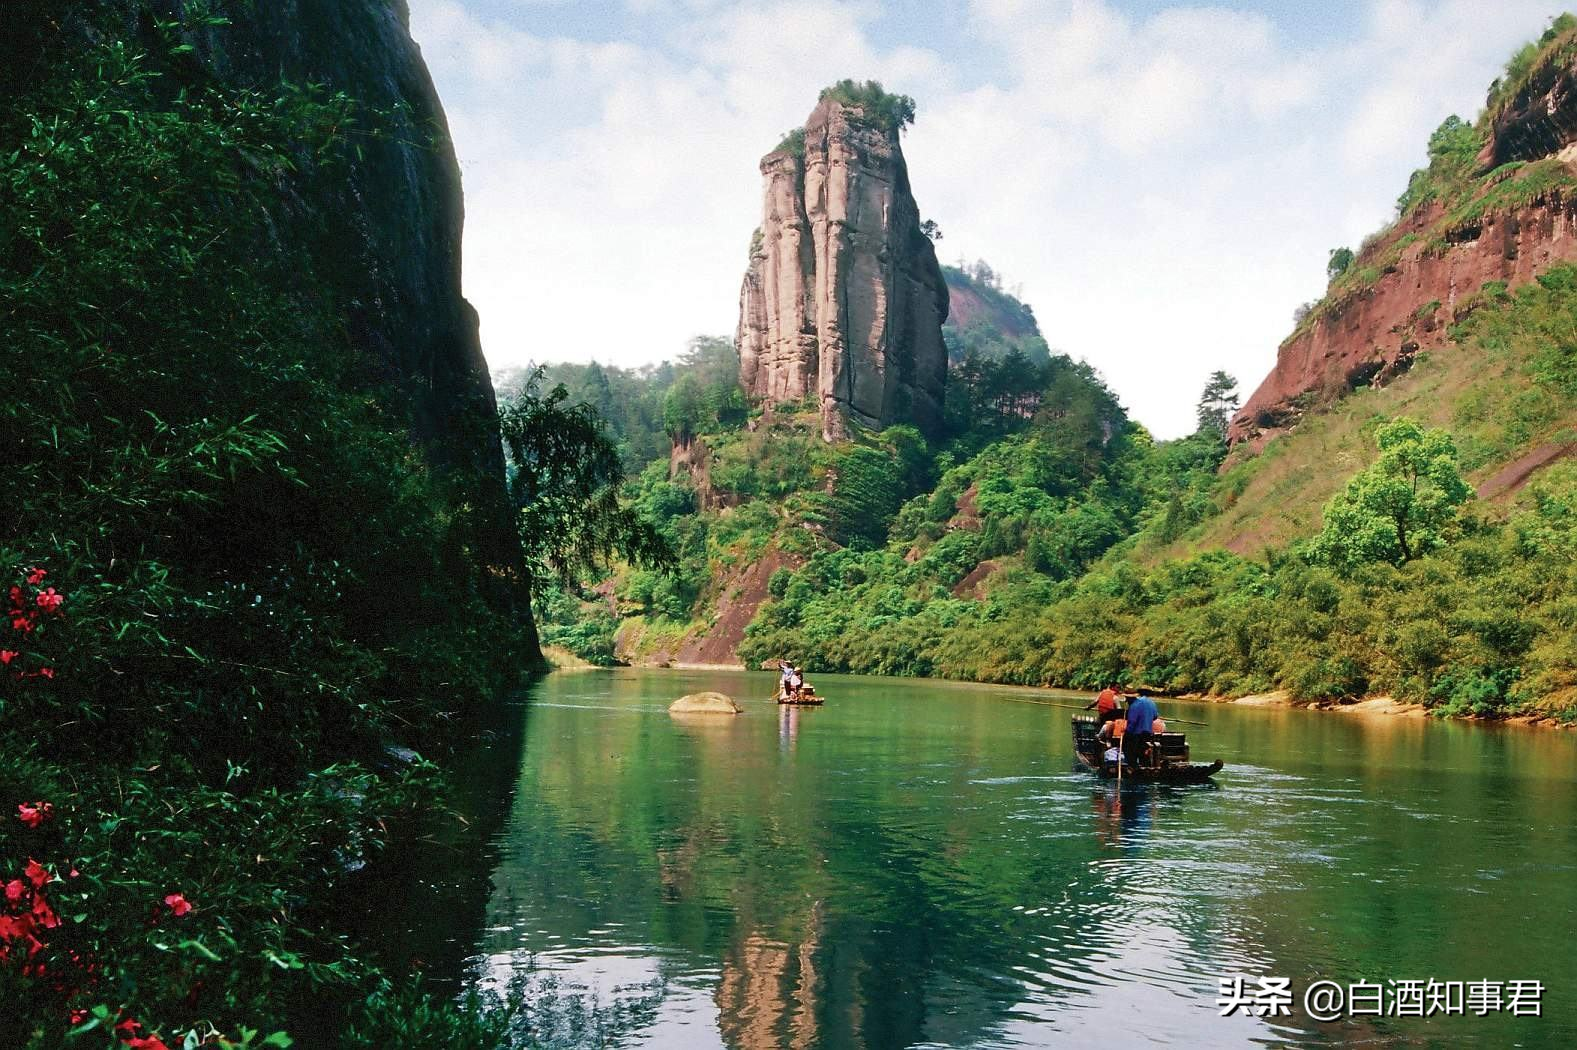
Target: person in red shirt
[1105, 704]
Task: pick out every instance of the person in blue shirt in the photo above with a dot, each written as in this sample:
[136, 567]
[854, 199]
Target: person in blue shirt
[1142, 714]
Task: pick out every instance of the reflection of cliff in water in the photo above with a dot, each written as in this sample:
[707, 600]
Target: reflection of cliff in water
[442, 867]
[916, 864]
[768, 993]
[838, 905]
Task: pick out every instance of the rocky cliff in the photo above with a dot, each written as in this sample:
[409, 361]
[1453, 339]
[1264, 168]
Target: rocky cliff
[843, 297]
[381, 228]
[1508, 219]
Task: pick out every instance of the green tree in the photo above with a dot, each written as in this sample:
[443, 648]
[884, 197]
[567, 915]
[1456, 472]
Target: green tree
[1340, 259]
[1455, 140]
[684, 409]
[1218, 403]
[1401, 507]
[565, 480]
[880, 107]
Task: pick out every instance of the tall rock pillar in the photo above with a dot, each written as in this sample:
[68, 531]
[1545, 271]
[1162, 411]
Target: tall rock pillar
[843, 297]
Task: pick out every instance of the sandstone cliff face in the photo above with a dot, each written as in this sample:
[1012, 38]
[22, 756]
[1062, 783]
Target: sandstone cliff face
[1374, 334]
[1540, 119]
[843, 297]
[383, 228]
[984, 319]
[967, 306]
[387, 232]
[1431, 264]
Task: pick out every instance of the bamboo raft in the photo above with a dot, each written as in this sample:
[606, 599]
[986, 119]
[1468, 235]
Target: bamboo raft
[807, 698]
[1165, 761]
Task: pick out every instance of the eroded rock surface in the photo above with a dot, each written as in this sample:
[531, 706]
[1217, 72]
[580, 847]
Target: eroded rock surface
[843, 298]
[1433, 264]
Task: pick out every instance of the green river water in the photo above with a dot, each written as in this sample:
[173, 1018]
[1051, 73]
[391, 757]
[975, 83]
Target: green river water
[921, 864]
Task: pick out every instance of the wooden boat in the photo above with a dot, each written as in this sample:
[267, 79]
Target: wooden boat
[1165, 762]
[807, 697]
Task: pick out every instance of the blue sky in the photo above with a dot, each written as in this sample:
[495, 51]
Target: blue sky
[1161, 180]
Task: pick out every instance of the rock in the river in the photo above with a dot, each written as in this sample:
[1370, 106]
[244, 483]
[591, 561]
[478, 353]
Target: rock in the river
[704, 704]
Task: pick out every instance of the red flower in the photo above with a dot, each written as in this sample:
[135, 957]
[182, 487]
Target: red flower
[128, 1030]
[36, 576]
[7, 655]
[147, 1042]
[23, 624]
[48, 600]
[177, 904]
[15, 890]
[34, 814]
[15, 927]
[44, 913]
[36, 873]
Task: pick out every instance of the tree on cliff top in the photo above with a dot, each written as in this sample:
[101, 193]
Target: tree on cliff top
[882, 108]
[1401, 507]
[1218, 403]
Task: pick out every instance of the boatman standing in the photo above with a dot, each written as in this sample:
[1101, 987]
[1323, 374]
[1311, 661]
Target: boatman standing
[1142, 714]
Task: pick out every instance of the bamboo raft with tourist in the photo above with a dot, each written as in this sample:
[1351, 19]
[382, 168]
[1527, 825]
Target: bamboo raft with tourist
[1132, 744]
[793, 690]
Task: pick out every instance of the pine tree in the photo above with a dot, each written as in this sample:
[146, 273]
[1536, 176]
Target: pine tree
[1217, 404]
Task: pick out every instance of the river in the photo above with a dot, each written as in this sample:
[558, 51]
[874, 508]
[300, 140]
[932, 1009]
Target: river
[921, 864]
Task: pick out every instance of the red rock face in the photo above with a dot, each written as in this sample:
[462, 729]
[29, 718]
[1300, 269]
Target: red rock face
[966, 306]
[1374, 333]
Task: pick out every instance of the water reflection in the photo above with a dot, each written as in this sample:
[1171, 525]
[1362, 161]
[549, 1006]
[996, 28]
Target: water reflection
[918, 865]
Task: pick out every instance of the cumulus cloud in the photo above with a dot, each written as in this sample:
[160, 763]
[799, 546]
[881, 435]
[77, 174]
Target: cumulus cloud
[1165, 183]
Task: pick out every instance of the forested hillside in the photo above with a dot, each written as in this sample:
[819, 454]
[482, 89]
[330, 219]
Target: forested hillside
[986, 320]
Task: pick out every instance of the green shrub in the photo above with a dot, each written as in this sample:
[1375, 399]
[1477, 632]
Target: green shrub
[878, 107]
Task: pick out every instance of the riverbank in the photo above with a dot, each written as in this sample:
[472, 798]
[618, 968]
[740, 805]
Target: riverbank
[1374, 706]
[1379, 706]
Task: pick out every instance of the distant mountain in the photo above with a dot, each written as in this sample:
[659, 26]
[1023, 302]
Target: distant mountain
[985, 319]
